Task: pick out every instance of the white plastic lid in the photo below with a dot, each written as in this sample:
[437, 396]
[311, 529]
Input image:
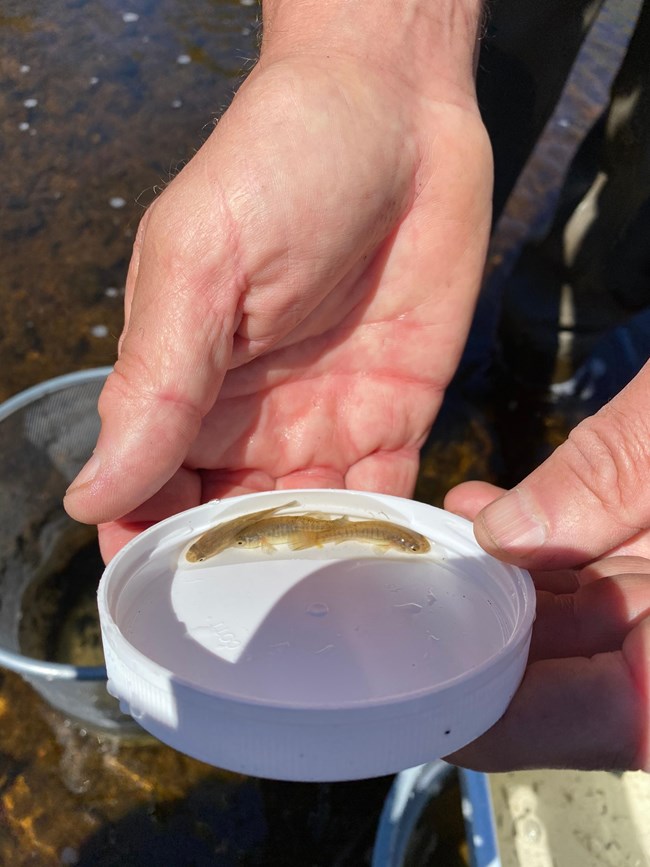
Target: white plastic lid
[331, 663]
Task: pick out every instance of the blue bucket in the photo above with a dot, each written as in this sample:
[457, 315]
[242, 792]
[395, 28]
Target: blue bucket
[409, 795]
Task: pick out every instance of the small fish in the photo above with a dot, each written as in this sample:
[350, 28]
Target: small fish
[380, 534]
[315, 530]
[296, 531]
[219, 538]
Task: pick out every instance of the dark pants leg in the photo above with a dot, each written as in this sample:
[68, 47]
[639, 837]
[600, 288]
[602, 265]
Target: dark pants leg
[526, 55]
[591, 272]
[609, 260]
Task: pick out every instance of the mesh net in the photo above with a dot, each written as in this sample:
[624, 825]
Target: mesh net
[43, 444]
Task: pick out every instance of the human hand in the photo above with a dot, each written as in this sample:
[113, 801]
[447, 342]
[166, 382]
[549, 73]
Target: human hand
[584, 701]
[299, 295]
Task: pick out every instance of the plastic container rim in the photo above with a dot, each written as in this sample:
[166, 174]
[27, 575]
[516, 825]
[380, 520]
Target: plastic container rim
[152, 670]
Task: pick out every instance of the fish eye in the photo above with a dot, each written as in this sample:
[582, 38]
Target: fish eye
[240, 541]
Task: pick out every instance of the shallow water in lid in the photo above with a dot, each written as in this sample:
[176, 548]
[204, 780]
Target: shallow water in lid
[314, 633]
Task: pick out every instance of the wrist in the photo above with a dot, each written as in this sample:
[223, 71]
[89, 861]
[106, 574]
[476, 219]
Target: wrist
[431, 45]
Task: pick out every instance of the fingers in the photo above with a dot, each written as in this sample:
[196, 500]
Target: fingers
[182, 491]
[596, 618]
[636, 546]
[578, 713]
[115, 535]
[393, 472]
[611, 566]
[588, 497]
[144, 438]
[234, 483]
[173, 353]
[584, 702]
[579, 612]
[468, 498]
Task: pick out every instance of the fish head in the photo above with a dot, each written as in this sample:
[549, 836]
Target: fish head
[200, 551]
[413, 544]
[193, 555]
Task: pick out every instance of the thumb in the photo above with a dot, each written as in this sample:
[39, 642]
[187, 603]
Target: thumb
[590, 495]
[173, 357]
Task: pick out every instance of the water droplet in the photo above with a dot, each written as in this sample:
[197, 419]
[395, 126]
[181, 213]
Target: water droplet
[183, 59]
[99, 331]
[177, 103]
[318, 609]
[117, 202]
[111, 292]
[30, 103]
[23, 127]
[130, 17]
[25, 68]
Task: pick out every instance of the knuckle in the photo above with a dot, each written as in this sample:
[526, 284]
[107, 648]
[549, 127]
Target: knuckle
[191, 243]
[162, 226]
[171, 247]
[609, 454]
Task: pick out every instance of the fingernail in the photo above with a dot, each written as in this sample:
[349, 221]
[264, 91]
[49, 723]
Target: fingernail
[86, 474]
[511, 524]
